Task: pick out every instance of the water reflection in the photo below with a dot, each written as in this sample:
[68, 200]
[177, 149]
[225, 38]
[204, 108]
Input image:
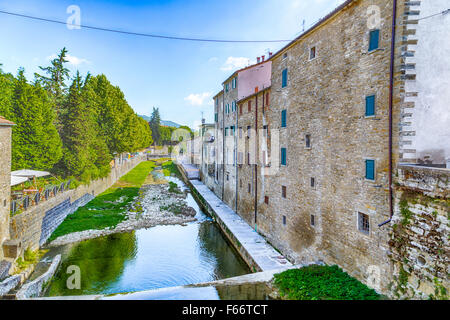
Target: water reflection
[159, 257]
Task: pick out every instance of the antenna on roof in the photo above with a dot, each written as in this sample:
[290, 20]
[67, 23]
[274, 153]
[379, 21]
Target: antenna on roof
[303, 25]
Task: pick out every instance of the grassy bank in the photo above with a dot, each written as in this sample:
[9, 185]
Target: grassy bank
[322, 283]
[109, 208]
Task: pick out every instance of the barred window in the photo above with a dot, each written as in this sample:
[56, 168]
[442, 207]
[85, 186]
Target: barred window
[363, 223]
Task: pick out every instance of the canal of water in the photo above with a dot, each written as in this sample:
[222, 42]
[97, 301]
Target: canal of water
[158, 257]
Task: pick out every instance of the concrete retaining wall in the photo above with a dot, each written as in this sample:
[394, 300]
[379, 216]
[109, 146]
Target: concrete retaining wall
[35, 287]
[34, 226]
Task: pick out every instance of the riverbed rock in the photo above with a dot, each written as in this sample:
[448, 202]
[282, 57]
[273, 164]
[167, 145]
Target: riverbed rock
[154, 206]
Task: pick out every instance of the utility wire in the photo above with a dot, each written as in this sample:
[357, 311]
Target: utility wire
[436, 14]
[137, 33]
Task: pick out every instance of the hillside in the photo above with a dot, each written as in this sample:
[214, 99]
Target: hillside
[163, 122]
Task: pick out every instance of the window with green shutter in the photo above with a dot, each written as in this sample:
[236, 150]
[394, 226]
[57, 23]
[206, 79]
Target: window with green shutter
[370, 106]
[370, 169]
[284, 78]
[283, 118]
[216, 117]
[374, 41]
[283, 156]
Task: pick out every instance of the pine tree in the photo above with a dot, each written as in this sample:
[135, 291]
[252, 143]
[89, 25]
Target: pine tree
[85, 153]
[35, 141]
[155, 123]
[55, 84]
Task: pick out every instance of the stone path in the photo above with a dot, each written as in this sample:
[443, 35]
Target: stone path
[265, 256]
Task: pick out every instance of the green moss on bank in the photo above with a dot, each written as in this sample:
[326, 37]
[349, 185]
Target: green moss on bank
[322, 283]
[109, 208]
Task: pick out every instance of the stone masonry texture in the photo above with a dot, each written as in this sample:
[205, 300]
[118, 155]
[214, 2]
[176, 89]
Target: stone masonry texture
[5, 180]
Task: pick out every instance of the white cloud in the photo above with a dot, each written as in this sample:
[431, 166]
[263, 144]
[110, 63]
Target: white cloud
[199, 99]
[234, 63]
[213, 59]
[75, 61]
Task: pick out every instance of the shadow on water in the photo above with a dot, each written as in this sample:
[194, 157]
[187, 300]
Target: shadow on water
[146, 259]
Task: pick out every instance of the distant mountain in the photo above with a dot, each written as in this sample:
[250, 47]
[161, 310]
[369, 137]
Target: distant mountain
[166, 123]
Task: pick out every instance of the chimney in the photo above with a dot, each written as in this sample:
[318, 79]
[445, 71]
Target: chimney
[263, 58]
[258, 60]
[270, 54]
[256, 89]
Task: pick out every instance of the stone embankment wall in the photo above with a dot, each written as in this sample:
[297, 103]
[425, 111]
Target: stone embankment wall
[420, 233]
[34, 226]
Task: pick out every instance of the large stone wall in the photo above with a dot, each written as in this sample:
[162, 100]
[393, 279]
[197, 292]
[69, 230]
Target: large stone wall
[325, 99]
[5, 181]
[33, 226]
[420, 233]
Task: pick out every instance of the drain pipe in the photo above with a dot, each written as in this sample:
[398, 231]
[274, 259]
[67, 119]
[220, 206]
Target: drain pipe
[223, 144]
[391, 98]
[236, 158]
[256, 159]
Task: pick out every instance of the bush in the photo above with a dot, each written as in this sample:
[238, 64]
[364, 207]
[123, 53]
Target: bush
[322, 283]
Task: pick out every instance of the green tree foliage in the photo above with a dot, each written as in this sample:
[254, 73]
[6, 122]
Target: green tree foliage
[73, 131]
[86, 154]
[55, 84]
[35, 140]
[6, 93]
[166, 134]
[155, 126]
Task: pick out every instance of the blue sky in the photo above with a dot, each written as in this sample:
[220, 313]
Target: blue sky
[178, 77]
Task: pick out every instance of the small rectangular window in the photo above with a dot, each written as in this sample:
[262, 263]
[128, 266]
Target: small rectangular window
[265, 131]
[312, 53]
[374, 41]
[313, 220]
[240, 109]
[240, 183]
[249, 130]
[370, 106]
[283, 156]
[226, 131]
[283, 191]
[266, 200]
[249, 188]
[228, 177]
[216, 117]
[285, 55]
[284, 78]
[284, 220]
[250, 106]
[313, 182]
[248, 158]
[363, 223]
[283, 118]
[308, 140]
[370, 169]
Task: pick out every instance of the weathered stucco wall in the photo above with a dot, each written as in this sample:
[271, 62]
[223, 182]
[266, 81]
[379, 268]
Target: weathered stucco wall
[427, 67]
[419, 241]
[33, 227]
[258, 76]
[5, 181]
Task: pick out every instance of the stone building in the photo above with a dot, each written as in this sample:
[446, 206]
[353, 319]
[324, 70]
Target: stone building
[329, 127]
[5, 179]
